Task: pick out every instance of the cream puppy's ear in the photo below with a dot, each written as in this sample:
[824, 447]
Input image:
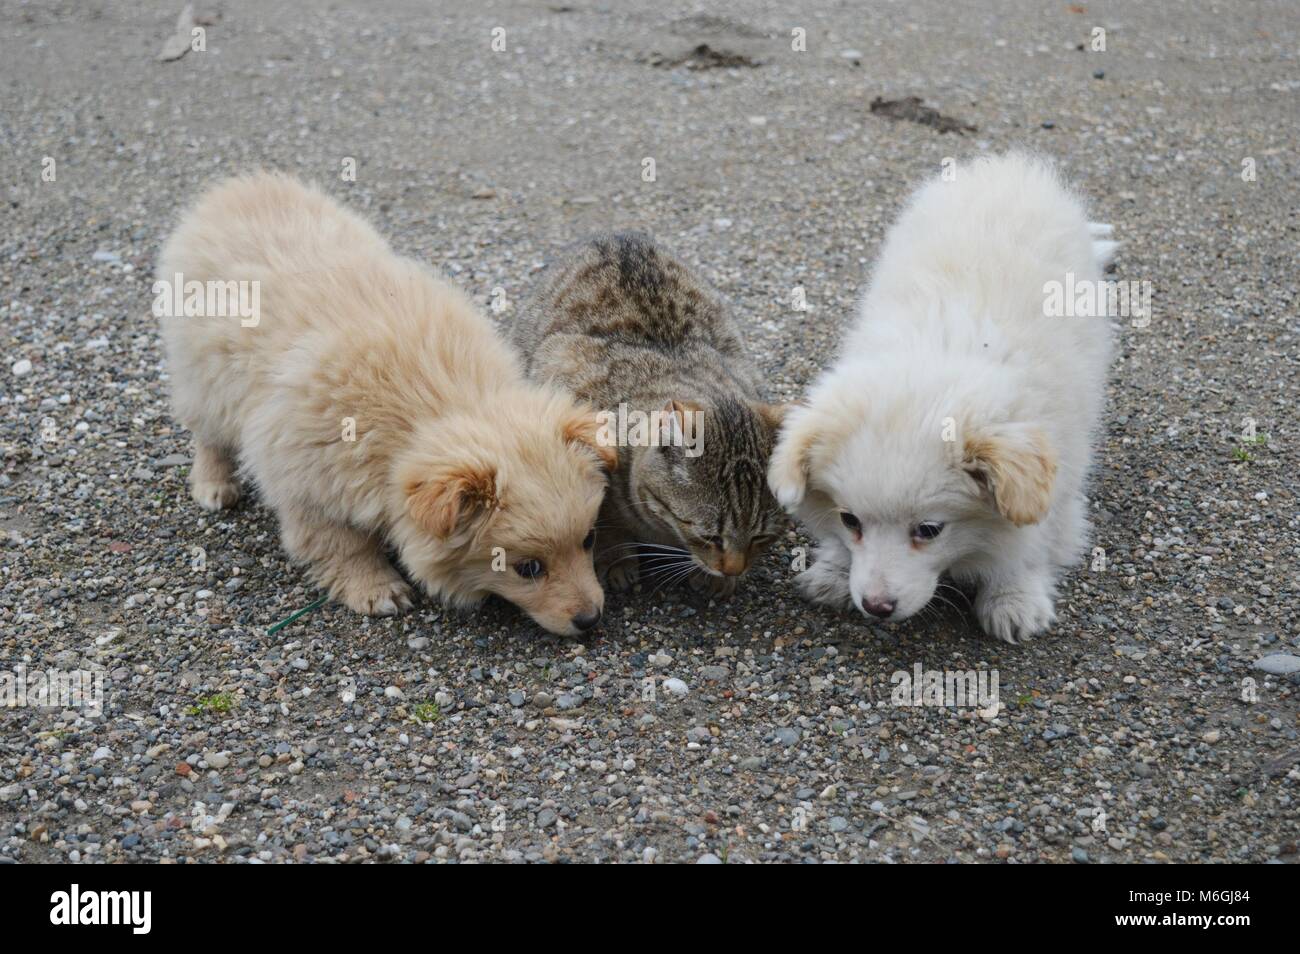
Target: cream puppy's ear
[452, 501]
[590, 430]
[790, 467]
[773, 415]
[1016, 466]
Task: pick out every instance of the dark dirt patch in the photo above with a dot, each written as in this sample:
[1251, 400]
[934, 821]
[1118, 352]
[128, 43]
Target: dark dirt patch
[703, 57]
[914, 110]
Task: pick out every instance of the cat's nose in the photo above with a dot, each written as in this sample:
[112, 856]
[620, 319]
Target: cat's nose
[584, 621]
[733, 563]
[881, 609]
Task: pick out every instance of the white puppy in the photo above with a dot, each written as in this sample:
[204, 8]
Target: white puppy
[955, 431]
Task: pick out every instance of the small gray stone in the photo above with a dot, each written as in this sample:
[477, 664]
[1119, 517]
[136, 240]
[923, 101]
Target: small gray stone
[1279, 664]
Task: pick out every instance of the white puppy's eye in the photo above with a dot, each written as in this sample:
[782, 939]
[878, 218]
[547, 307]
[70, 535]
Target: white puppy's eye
[850, 521]
[927, 531]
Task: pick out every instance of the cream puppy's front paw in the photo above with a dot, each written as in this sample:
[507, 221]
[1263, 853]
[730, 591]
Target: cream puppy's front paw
[1015, 613]
[212, 478]
[215, 494]
[373, 594]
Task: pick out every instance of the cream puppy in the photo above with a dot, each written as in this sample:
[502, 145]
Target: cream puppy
[955, 431]
[372, 404]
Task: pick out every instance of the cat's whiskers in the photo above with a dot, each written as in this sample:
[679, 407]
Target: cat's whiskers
[948, 586]
[649, 546]
[680, 575]
[666, 567]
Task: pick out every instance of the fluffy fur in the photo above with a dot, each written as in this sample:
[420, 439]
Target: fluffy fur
[957, 402]
[469, 470]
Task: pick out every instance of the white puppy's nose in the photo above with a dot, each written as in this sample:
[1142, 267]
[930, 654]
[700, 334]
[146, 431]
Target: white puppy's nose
[881, 609]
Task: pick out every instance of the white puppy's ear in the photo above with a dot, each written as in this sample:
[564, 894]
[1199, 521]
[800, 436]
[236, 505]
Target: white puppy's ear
[1016, 466]
[791, 464]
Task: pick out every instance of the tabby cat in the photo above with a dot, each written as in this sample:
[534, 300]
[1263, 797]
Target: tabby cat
[626, 327]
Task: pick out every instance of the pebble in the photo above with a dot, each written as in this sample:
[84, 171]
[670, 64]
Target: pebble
[675, 686]
[216, 760]
[1278, 664]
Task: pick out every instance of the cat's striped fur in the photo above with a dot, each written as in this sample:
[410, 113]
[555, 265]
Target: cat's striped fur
[620, 321]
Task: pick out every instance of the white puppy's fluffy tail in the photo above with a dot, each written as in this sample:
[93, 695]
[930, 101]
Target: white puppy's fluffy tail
[1103, 247]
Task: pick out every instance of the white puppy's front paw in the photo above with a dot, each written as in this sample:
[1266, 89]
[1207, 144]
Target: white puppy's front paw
[1014, 614]
[827, 583]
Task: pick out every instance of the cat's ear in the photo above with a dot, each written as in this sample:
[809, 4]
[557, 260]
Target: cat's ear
[453, 500]
[790, 467]
[680, 424]
[1014, 465]
[773, 415]
[591, 431]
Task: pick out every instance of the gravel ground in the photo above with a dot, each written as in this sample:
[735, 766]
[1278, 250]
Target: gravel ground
[1127, 735]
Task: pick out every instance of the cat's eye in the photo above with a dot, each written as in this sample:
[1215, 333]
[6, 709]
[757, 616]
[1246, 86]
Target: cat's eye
[850, 521]
[589, 540]
[530, 569]
[714, 541]
[927, 530]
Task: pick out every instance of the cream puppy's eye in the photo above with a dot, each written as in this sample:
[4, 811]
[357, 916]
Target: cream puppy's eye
[589, 540]
[530, 569]
[927, 531]
[850, 521]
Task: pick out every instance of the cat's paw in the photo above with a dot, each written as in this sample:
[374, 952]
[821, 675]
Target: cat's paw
[1014, 614]
[714, 587]
[826, 583]
[623, 575]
